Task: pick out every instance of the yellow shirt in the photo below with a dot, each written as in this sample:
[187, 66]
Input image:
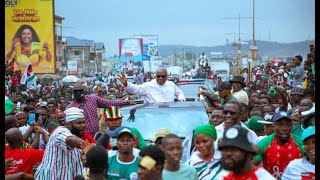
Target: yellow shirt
[34, 58]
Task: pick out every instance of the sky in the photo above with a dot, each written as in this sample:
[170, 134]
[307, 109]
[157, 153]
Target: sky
[187, 22]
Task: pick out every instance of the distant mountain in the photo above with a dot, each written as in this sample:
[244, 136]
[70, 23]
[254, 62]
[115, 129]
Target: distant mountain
[265, 48]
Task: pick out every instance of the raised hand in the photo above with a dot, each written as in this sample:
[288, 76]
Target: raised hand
[86, 146]
[123, 79]
[45, 46]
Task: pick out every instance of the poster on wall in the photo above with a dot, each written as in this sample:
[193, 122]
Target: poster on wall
[130, 49]
[29, 29]
[150, 46]
[72, 67]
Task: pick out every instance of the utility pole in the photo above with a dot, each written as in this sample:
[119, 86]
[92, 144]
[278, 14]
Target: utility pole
[253, 48]
[237, 65]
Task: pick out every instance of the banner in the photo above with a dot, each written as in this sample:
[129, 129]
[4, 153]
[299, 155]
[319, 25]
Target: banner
[130, 49]
[72, 67]
[29, 29]
[150, 46]
[29, 78]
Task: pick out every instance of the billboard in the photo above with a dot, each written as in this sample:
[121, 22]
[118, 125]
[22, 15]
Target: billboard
[29, 28]
[150, 46]
[130, 49]
[72, 67]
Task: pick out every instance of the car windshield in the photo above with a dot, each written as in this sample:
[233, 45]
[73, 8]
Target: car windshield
[179, 117]
[190, 89]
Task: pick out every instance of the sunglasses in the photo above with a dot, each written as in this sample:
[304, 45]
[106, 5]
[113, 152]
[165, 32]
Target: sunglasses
[162, 76]
[76, 91]
[225, 112]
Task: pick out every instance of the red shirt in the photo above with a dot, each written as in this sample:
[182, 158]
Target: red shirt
[25, 159]
[277, 156]
[11, 64]
[88, 137]
[255, 174]
[14, 81]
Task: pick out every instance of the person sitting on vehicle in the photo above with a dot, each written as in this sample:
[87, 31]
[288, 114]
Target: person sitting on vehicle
[157, 90]
[113, 118]
[237, 89]
[225, 95]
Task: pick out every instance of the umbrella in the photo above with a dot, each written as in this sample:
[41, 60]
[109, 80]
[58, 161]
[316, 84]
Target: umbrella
[70, 78]
[50, 76]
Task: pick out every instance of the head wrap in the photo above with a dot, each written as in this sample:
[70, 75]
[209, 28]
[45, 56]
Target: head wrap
[73, 113]
[207, 129]
[273, 90]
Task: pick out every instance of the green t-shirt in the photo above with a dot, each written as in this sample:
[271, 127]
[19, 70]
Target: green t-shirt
[266, 142]
[120, 170]
[141, 142]
[297, 130]
[184, 172]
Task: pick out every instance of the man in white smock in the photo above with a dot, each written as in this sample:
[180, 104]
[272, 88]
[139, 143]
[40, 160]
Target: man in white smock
[156, 90]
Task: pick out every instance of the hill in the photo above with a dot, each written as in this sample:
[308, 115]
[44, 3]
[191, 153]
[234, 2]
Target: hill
[265, 48]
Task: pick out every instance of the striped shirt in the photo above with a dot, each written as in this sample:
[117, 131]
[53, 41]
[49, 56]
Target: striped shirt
[60, 161]
[92, 102]
[206, 170]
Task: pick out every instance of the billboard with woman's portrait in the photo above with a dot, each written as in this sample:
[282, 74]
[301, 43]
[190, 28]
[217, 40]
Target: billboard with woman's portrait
[29, 29]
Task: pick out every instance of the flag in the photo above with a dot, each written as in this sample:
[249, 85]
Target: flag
[29, 78]
[9, 105]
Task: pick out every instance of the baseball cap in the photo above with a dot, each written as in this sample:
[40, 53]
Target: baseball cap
[267, 119]
[281, 115]
[309, 131]
[254, 124]
[236, 136]
[120, 131]
[224, 85]
[162, 132]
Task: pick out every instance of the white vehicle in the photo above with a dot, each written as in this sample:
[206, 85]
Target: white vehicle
[220, 68]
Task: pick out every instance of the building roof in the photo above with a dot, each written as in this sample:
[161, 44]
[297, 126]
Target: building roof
[58, 17]
[99, 45]
[72, 41]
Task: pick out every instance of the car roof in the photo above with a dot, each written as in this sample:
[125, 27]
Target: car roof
[178, 104]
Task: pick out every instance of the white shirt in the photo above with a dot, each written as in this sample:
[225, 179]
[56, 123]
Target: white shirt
[241, 96]
[193, 72]
[299, 168]
[152, 92]
[252, 137]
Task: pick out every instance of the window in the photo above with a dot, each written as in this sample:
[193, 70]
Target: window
[77, 53]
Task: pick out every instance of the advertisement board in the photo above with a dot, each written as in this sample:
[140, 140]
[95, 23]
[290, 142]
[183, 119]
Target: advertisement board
[150, 46]
[130, 49]
[72, 67]
[29, 29]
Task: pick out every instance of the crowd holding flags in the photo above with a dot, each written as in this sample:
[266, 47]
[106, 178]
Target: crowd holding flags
[29, 78]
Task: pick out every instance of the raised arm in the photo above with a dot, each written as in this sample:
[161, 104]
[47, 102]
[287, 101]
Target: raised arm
[103, 103]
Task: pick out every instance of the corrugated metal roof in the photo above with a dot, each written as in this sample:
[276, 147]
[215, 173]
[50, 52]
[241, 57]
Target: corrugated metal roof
[72, 41]
[99, 45]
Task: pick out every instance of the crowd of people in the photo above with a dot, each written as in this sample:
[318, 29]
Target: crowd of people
[262, 129]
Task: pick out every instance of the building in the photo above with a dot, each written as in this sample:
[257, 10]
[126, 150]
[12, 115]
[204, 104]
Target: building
[88, 55]
[60, 46]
